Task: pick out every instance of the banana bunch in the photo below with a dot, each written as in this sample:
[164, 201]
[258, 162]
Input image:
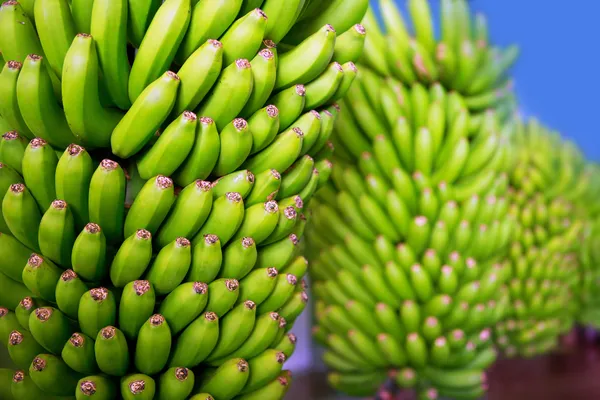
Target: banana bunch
[407, 242]
[545, 275]
[155, 162]
[587, 209]
[461, 58]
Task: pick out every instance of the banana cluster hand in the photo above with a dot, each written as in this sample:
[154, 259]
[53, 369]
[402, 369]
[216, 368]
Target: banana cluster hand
[408, 241]
[156, 162]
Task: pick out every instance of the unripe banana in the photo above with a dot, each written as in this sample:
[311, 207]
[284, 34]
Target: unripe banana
[14, 256]
[9, 106]
[278, 254]
[107, 199]
[151, 206]
[23, 348]
[18, 35]
[258, 285]
[136, 247]
[53, 376]
[150, 63]
[240, 181]
[79, 354]
[69, 290]
[12, 149]
[39, 166]
[209, 20]
[224, 294]
[225, 218]
[236, 144]
[138, 386]
[284, 289]
[97, 309]
[236, 327]
[38, 103]
[8, 323]
[97, 387]
[112, 354]
[281, 17]
[89, 121]
[184, 304]
[135, 307]
[264, 69]
[50, 328]
[290, 103]
[238, 258]
[41, 276]
[153, 345]
[206, 260]
[56, 234]
[176, 383]
[203, 156]
[196, 341]
[23, 387]
[244, 37]
[24, 309]
[171, 149]
[230, 94]
[349, 45]
[227, 381]
[170, 266]
[275, 389]
[198, 74]
[151, 107]
[88, 256]
[73, 175]
[280, 154]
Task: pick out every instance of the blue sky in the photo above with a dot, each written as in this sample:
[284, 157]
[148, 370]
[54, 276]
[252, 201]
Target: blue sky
[558, 74]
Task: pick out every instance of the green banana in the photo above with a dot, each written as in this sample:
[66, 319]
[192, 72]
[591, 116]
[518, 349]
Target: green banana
[349, 45]
[135, 307]
[112, 354]
[38, 104]
[227, 381]
[72, 181]
[264, 69]
[159, 45]
[198, 73]
[202, 158]
[258, 285]
[56, 234]
[176, 383]
[236, 144]
[171, 149]
[22, 348]
[96, 386]
[225, 218]
[290, 103]
[69, 290]
[184, 304]
[279, 155]
[56, 29]
[244, 37]
[209, 20]
[18, 35]
[107, 199]
[151, 206]
[136, 247]
[224, 294]
[206, 260]
[196, 341]
[88, 256]
[236, 326]
[89, 121]
[39, 166]
[170, 266]
[97, 309]
[151, 107]
[53, 376]
[229, 94]
[79, 354]
[153, 345]
[41, 275]
[138, 386]
[50, 328]
[306, 61]
[109, 29]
